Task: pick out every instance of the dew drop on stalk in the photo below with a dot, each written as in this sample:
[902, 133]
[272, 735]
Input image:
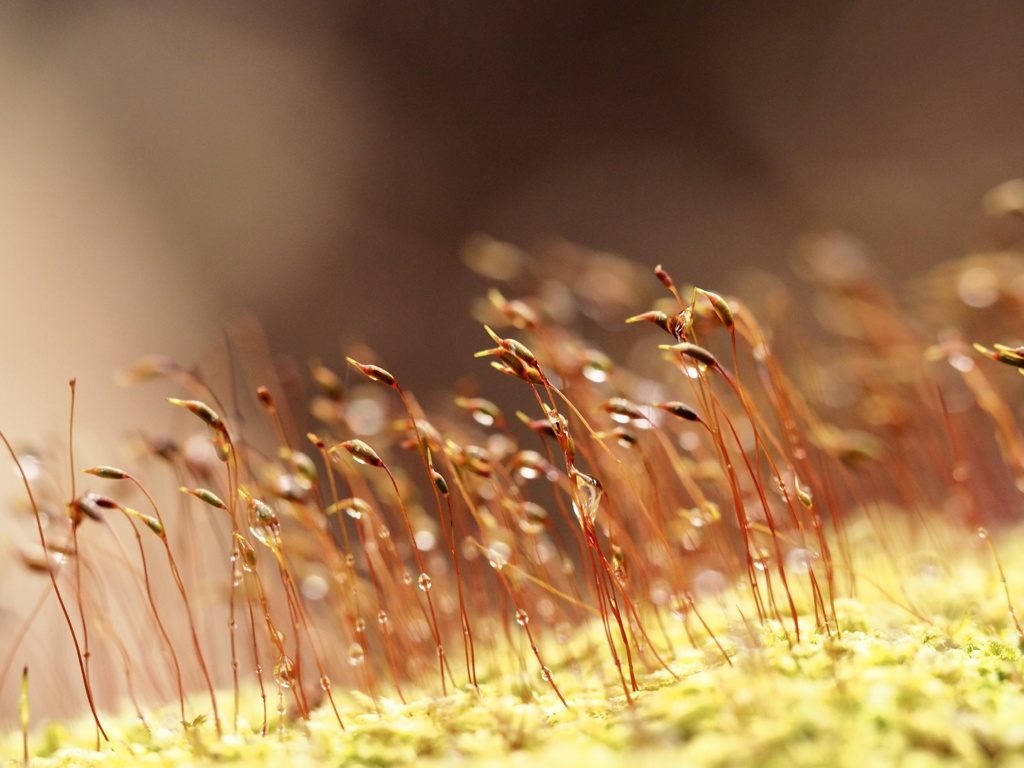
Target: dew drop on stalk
[263, 524]
[325, 682]
[594, 373]
[246, 554]
[534, 518]
[291, 488]
[284, 672]
[483, 412]
[761, 559]
[588, 493]
[522, 617]
[360, 626]
[354, 507]
[596, 366]
[498, 554]
[356, 654]
[530, 464]
[382, 619]
[424, 582]
[483, 418]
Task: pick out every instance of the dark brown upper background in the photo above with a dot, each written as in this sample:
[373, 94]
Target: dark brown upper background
[164, 166]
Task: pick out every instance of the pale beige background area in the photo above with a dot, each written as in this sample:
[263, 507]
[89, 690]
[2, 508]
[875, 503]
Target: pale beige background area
[167, 165]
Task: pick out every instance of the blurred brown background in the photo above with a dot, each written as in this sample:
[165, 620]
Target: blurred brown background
[167, 165]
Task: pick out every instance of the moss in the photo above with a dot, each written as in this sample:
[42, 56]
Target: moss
[943, 692]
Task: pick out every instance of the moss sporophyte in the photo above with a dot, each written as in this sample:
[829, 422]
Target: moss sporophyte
[744, 547]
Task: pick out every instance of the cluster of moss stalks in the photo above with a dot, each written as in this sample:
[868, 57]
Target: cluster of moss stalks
[746, 547]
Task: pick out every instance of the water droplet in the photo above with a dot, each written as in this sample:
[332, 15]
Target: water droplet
[284, 672]
[356, 654]
[498, 554]
[354, 507]
[424, 582]
[325, 682]
[382, 618]
[522, 617]
[588, 493]
[545, 672]
[762, 558]
[694, 517]
[360, 626]
[530, 464]
[245, 553]
[534, 518]
[291, 488]
[263, 524]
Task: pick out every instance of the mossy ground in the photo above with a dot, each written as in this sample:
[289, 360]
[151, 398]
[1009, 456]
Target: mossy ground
[926, 670]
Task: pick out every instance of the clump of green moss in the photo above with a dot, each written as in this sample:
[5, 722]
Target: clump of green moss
[942, 689]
